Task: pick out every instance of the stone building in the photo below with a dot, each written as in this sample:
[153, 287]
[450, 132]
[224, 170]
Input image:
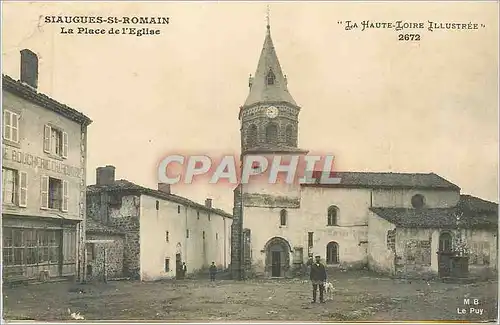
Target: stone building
[366, 220]
[43, 180]
[161, 229]
[104, 251]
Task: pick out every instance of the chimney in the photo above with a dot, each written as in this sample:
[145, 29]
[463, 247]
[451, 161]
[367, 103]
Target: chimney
[29, 68]
[165, 188]
[105, 175]
[208, 203]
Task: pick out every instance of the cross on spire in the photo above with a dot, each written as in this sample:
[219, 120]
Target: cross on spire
[267, 16]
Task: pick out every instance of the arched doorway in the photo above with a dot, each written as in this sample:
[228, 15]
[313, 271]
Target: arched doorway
[445, 252]
[332, 253]
[277, 252]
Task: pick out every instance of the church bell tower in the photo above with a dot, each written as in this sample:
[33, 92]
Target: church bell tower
[270, 116]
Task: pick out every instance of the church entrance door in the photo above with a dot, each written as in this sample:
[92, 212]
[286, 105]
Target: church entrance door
[276, 264]
[277, 257]
[444, 255]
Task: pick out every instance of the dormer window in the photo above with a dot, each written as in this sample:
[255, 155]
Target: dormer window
[270, 78]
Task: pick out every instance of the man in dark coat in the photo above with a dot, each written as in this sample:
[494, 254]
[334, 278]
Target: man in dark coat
[318, 279]
[184, 270]
[212, 270]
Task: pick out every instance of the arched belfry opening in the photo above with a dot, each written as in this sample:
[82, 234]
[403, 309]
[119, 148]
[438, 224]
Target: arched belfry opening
[272, 133]
[251, 136]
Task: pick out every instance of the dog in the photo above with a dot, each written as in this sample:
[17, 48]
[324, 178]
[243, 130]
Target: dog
[329, 290]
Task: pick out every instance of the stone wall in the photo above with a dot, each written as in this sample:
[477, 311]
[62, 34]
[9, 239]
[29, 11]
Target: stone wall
[120, 211]
[105, 256]
[236, 236]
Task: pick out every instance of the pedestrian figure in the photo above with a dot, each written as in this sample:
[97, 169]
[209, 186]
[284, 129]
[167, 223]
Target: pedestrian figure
[318, 279]
[212, 270]
[184, 270]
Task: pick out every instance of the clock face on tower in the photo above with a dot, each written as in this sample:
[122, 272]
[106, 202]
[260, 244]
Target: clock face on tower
[272, 112]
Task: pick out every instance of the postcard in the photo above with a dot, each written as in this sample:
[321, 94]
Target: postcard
[250, 161]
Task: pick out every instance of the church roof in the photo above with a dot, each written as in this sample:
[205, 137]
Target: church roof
[435, 218]
[387, 180]
[260, 91]
[476, 204]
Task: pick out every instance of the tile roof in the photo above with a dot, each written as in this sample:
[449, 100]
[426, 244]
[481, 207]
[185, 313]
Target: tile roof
[387, 180]
[124, 185]
[30, 94]
[476, 204]
[94, 226]
[435, 218]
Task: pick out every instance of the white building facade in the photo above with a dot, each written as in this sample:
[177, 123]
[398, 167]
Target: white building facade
[162, 230]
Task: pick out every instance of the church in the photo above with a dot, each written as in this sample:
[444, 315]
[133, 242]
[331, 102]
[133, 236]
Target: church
[392, 223]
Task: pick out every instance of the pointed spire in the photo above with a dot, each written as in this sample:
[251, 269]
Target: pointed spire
[268, 82]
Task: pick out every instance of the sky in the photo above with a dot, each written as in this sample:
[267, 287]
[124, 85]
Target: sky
[376, 103]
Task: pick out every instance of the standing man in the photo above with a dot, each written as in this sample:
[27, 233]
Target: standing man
[184, 270]
[318, 278]
[212, 271]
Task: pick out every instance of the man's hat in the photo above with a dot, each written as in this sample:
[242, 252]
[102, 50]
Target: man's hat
[318, 256]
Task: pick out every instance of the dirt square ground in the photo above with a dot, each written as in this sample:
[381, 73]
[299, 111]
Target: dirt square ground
[357, 296]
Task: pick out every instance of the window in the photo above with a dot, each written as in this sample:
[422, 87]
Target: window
[417, 201]
[157, 205]
[310, 239]
[209, 217]
[203, 234]
[10, 126]
[198, 215]
[167, 265]
[178, 209]
[187, 233]
[332, 253]
[270, 78]
[8, 256]
[55, 141]
[14, 187]
[90, 252]
[9, 185]
[289, 136]
[252, 136]
[216, 236]
[272, 133]
[167, 235]
[445, 242]
[31, 246]
[54, 194]
[332, 216]
[283, 215]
